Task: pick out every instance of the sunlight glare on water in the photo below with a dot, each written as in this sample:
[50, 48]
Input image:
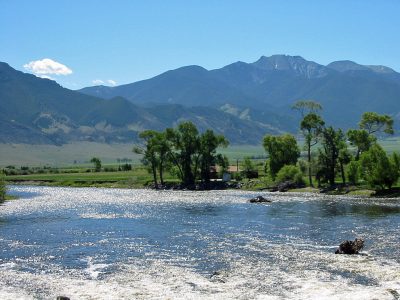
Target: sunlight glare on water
[88, 243]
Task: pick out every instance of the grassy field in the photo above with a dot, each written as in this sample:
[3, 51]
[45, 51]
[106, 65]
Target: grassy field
[66, 155]
[80, 153]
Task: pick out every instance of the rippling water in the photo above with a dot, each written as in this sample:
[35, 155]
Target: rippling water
[89, 243]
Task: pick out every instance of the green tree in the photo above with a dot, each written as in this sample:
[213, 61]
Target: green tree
[97, 164]
[353, 172]
[193, 154]
[311, 126]
[154, 152]
[282, 150]
[207, 156]
[361, 139]
[307, 107]
[185, 142]
[374, 123]
[248, 167]
[333, 141]
[344, 158]
[378, 169]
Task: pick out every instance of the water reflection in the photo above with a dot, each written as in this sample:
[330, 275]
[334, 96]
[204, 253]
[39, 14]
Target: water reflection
[203, 210]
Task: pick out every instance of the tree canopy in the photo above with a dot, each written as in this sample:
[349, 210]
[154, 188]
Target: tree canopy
[183, 150]
[373, 122]
[97, 164]
[378, 169]
[307, 107]
[282, 150]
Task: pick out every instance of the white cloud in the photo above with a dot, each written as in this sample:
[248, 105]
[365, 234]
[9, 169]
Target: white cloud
[112, 82]
[97, 82]
[104, 82]
[47, 66]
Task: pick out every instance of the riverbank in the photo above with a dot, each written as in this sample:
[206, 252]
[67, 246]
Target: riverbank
[132, 184]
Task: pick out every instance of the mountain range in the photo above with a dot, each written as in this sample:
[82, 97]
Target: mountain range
[272, 84]
[243, 101]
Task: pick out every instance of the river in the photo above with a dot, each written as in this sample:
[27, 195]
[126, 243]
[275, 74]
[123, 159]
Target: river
[89, 243]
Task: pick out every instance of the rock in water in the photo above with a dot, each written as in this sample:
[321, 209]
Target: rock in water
[350, 247]
[259, 199]
[62, 298]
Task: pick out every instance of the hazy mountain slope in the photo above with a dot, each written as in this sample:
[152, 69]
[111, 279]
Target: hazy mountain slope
[190, 86]
[39, 111]
[344, 88]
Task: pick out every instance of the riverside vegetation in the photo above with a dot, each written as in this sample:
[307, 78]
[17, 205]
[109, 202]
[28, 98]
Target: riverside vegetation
[182, 157]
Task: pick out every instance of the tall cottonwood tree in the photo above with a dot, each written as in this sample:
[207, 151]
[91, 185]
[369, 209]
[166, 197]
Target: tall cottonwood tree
[311, 126]
[208, 157]
[149, 151]
[333, 143]
[371, 124]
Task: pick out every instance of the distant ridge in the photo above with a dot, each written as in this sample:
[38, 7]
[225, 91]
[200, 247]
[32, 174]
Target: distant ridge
[243, 101]
[39, 111]
[344, 88]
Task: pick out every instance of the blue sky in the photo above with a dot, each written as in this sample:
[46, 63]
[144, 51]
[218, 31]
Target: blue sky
[118, 42]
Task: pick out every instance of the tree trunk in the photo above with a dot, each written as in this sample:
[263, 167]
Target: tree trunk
[153, 167]
[161, 173]
[332, 170]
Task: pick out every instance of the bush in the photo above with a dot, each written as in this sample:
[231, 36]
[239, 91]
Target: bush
[249, 170]
[303, 165]
[353, 172]
[290, 173]
[378, 169]
[126, 167]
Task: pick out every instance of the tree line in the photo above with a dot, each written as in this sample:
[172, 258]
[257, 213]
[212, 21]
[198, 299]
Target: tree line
[333, 155]
[330, 152]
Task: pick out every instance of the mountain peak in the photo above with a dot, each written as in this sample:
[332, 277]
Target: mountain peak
[296, 64]
[348, 65]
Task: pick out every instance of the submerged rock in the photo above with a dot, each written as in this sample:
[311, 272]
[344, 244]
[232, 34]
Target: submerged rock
[259, 199]
[62, 298]
[350, 247]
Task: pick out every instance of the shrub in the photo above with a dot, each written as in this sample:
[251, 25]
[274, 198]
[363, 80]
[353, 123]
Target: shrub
[290, 173]
[126, 167]
[249, 170]
[353, 172]
[378, 169]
